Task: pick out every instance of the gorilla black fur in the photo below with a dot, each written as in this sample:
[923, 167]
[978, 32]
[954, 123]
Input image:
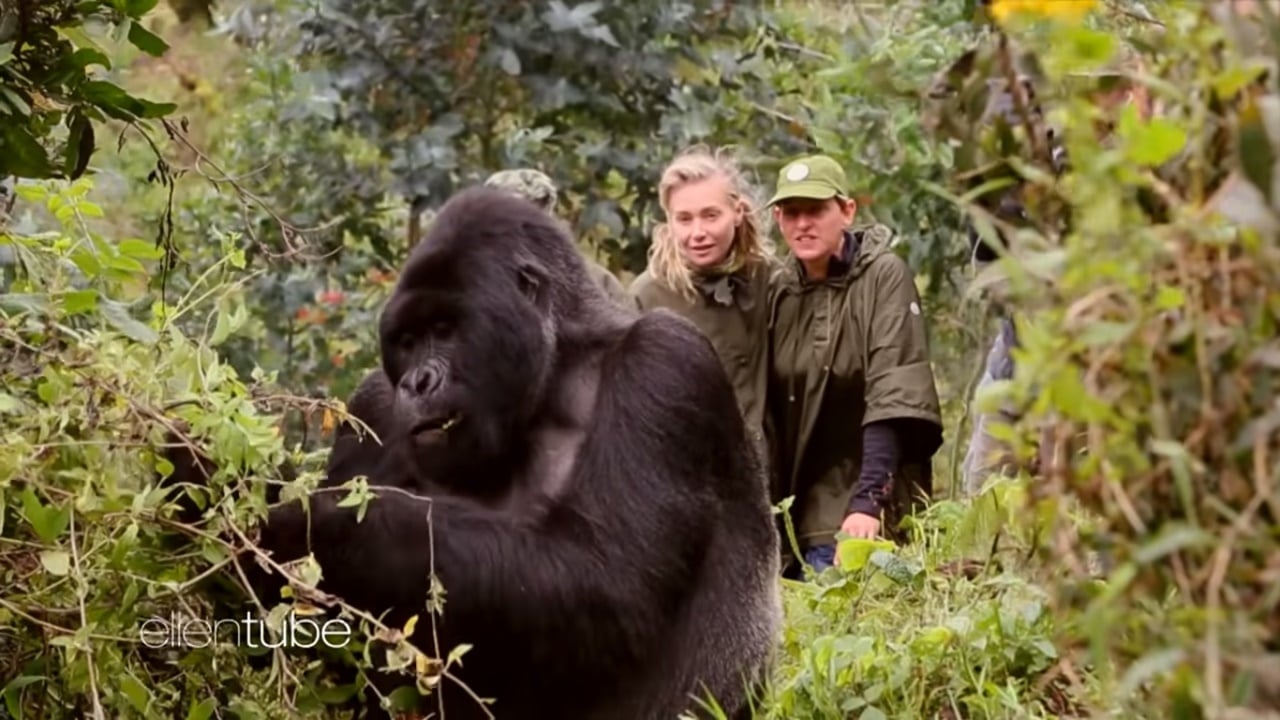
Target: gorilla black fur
[600, 521]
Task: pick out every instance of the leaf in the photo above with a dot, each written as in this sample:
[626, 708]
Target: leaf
[57, 562]
[118, 316]
[854, 552]
[146, 41]
[1257, 159]
[338, 695]
[84, 57]
[873, 713]
[79, 301]
[203, 711]
[455, 655]
[12, 691]
[119, 104]
[1104, 332]
[138, 8]
[1170, 298]
[16, 101]
[140, 249]
[79, 38]
[1153, 143]
[80, 146]
[23, 155]
[6, 52]
[1170, 540]
[48, 522]
[895, 567]
[137, 694]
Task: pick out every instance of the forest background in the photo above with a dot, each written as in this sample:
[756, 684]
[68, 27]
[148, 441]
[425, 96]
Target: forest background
[210, 209]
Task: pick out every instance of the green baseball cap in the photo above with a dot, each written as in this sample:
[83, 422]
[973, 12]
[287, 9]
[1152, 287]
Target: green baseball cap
[816, 177]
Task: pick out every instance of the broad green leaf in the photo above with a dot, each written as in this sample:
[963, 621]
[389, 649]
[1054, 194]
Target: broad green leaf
[15, 101]
[854, 552]
[118, 316]
[1104, 332]
[203, 710]
[6, 52]
[86, 261]
[119, 104]
[84, 57]
[1170, 298]
[9, 403]
[1153, 143]
[138, 8]
[140, 249]
[136, 692]
[80, 146]
[57, 562]
[79, 301]
[1256, 156]
[894, 566]
[80, 38]
[1170, 540]
[145, 40]
[49, 522]
[23, 155]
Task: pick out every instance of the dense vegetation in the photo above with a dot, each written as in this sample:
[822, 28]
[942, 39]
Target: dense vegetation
[206, 223]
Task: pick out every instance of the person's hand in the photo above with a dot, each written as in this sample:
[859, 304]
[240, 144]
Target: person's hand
[860, 525]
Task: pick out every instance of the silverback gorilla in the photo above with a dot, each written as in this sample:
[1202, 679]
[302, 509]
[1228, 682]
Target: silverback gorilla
[583, 485]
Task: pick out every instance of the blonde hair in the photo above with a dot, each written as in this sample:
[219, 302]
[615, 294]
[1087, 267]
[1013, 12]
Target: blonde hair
[750, 244]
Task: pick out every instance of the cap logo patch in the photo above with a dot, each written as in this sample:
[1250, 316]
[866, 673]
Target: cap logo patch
[797, 172]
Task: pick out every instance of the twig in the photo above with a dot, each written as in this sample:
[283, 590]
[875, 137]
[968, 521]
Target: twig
[84, 622]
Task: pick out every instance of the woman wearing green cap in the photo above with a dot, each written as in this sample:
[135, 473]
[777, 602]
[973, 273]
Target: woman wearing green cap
[710, 262]
[852, 403]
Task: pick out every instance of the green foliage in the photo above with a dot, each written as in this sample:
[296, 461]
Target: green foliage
[50, 98]
[1146, 308]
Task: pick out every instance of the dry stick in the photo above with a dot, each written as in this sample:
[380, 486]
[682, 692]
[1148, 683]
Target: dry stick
[1221, 560]
[16, 610]
[342, 604]
[84, 622]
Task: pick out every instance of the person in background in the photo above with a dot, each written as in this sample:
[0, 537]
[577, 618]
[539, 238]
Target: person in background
[710, 262]
[538, 188]
[1113, 89]
[852, 400]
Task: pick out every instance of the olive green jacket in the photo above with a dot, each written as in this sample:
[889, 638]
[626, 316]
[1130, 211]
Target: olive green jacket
[732, 313]
[845, 352]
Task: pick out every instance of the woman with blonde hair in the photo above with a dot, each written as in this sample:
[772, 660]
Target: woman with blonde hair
[710, 262]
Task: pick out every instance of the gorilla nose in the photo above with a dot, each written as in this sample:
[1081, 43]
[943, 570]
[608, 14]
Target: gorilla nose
[421, 380]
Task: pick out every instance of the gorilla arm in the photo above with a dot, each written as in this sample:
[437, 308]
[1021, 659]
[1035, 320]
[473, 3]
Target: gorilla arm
[588, 579]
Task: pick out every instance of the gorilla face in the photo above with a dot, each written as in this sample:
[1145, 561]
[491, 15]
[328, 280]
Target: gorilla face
[467, 343]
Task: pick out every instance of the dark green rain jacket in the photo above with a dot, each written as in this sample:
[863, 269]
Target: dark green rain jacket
[845, 352]
[732, 312]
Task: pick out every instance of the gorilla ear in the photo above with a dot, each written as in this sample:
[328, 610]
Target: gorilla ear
[531, 279]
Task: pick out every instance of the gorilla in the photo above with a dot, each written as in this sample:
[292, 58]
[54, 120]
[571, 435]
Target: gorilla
[576, 475]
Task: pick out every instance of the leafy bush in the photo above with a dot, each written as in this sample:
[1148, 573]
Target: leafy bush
[1146, 307]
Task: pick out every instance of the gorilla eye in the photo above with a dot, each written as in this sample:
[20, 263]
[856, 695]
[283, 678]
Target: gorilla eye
[405, 342]
[441, 328]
